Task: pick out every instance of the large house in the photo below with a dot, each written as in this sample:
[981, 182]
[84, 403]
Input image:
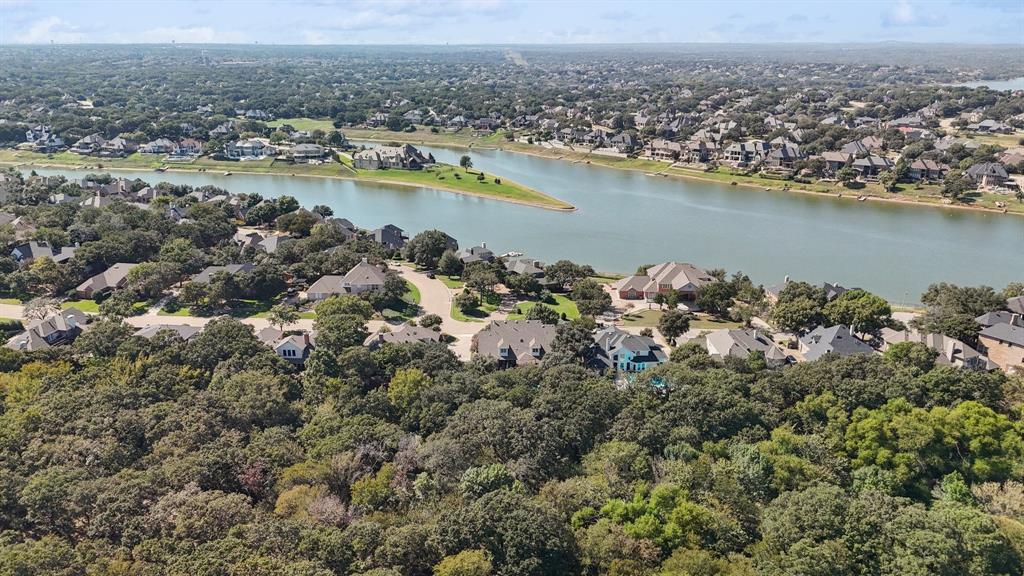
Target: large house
[619, 351]
[183, 331]
[404, 157]
[30, 251]
[294, 348]
[872, 165]
[740, 343]
[363, 277]
[91, 144]
[952, 352]
[925, 169]
[1004, 344]
[159, 146]
[838, 340]
[475, 254]
[110, 279]
[390, 236]
[404, 334]
[514, 342]
[685, 279]
[248, 149]
[988, 174]
[305, 153]
[209, 272]
[58, 328]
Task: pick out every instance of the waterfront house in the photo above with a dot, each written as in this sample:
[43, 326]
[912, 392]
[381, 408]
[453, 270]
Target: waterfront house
[871, 166]
[987, 174]
[190, 147]
[110, 279]
[1003, 343]
[305, 153]
[117, 148]
[475, 254]
[89, 145]
[390, 236]
[925, 169]
[248, 149]
[616, 350]
[834, 161]
[744, 153]
[839, 340]
[514, 342]
[404, 157]
[661, 149]
[740, 343]
[951, 352]
[525, 266]
[684, 279]
[159, 146]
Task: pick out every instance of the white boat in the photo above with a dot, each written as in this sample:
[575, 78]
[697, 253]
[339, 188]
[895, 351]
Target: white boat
[227, 173]
[511, 254]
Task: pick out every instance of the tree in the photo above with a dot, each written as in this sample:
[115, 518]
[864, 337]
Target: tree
[888, 180]
[345, 304]
[322, 210]
[955, 184]
[796, 315]
[449, 264]
[39, 308]
[673, 324]
[282, 315]
[426, 248]
[466, 162]
[565, 273]
[543, 313]
[590, 297]
[860, 310]
[466, 301]
[716, 298]
[465, 563]
[846, 175]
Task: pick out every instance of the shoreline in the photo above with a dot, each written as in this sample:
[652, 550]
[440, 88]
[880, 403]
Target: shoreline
[852, 195]
[568, 207]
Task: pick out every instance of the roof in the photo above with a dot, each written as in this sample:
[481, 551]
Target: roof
[611, 341]
[1016, 304]
[838, 339]
[365, 274]
[232, 269]
[514, 341]
[404, 334]
[740, 343]
[679, 275]
[1007, 333]
[110, 278]
[37, 332]
[184, 331]
[987, 169]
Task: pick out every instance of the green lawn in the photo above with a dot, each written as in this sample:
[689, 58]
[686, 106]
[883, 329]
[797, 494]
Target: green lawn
[713, 324]
[477, 315]
[562, 306]
[308, 124]
[412, 293]
[89, 306]
[649, 318]
[645, 318]
[236, 309]
[450, 281]
[606, 278]
[10, 301]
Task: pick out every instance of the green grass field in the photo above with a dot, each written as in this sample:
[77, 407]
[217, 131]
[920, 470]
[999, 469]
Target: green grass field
[88, 306]
[644, 318]
[450, 281]
[308, 124]
[412, 293]
[562, 305]
[477, 315]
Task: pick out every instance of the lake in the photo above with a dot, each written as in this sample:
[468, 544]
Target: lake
[625, 219]
[1011, 84]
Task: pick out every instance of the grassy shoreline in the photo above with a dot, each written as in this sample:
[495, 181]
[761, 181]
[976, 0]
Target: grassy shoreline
[908, 194]
[440, 178]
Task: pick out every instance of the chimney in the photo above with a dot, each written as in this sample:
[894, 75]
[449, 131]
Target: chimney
[364, 260]
[71, 322]
[483, 244]
[1016, 320]
[786, 279]
[305, 339]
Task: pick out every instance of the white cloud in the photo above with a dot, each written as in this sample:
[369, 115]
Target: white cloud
[51, 29]
[903, 13]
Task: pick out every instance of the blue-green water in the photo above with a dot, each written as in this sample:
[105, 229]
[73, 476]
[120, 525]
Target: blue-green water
[625, 219]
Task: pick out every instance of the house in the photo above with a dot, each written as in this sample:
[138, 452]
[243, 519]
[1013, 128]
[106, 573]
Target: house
[743, 153]
[159, 146]
[624, 142]
[525, 266]
[660, 149]
[363, 277]
[56, 329]
[48, 144]
[304, 153]
[700, 151]
[952, 352]
[390, 236]
[834, 161]
[872, 165]
[685, 279]
[1016, 304]
[863, 147]
[998, 317]
[987, 174]
[838, 339]
[619, 351]
[784, 157]
[925, 169]
[1004, 344]
[514, 342]
[475, 254]
[991, 126]
[231, 269]
[224, 129]
[89, 145]
[741, 343]
[107, 281]
[404, 157]
[294, 348]
[247, 149]
[30, 251]
[190, 147]
[117, 148]
[183, 331]
[404, 334]
[265, 242]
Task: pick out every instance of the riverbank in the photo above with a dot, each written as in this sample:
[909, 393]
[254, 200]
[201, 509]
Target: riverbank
[907, 194]
[443, 177]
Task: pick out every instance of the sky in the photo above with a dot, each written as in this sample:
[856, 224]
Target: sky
[509, 21]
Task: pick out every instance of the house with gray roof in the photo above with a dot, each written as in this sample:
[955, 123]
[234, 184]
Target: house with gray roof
[1004, 344]
[404, 334]
[293, 347]
[56, 329]
[475, 254]
[29, 251]
[404, 157]
[390, 236]
[183, 331]
[685, 279]
[951, 352]
[363, 277]
[230, 269]
[838, 339]
[741, 343]
[616, 350]
[987, 174]
[110, 279]
[514, 342]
